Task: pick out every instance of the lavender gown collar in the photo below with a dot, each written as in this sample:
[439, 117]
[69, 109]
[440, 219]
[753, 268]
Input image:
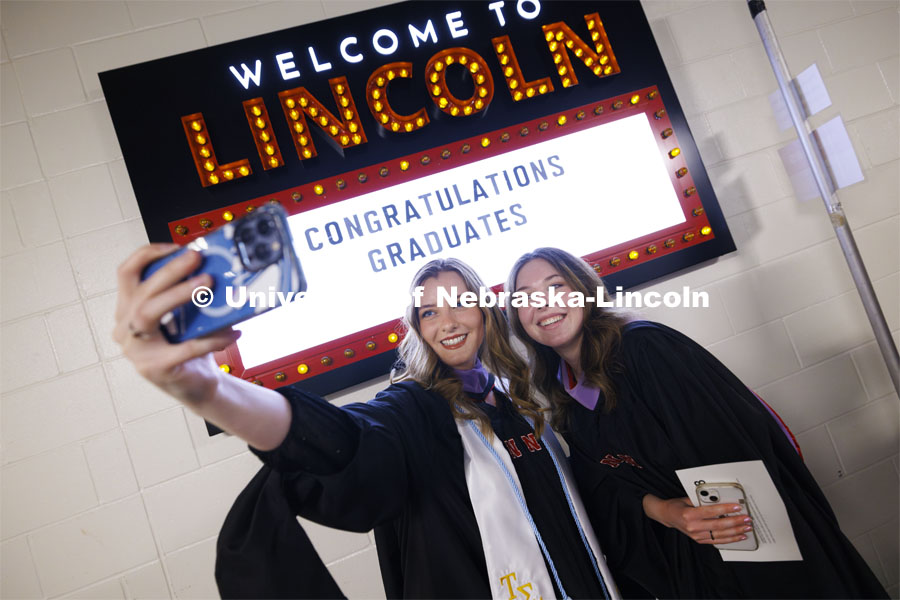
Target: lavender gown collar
[583, 393]
[477, 382]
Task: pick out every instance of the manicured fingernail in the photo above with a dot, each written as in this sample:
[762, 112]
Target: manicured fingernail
[746, 519]
[743, 537]
[736, 508]
[748, 528]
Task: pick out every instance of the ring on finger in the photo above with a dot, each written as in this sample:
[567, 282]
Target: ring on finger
[711, 536]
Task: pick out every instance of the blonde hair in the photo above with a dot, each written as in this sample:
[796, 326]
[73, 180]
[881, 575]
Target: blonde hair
[420, 363]
[601, 329]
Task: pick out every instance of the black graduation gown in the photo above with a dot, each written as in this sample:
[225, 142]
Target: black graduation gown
[679, 407]
[407, 462]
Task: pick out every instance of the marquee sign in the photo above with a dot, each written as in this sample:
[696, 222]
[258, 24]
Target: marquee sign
[414, 131]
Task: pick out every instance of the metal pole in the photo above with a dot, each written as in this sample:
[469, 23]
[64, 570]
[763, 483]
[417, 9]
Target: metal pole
[823, 183]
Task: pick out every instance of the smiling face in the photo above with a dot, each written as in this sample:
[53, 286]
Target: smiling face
[553, 326]
[455, 334]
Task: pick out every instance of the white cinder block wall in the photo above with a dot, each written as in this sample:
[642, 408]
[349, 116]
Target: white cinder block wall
[110, 489]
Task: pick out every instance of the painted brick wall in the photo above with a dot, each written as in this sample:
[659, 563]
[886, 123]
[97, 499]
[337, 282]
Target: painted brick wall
[110, 489]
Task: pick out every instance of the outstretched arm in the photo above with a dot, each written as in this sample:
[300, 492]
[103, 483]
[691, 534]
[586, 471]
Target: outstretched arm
[703, 524]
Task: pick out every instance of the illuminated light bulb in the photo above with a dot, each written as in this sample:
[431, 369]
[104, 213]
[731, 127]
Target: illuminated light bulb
[559, 36]
[479, 104]
[669, 243]
[393, 337]
[348, 115]
[633, 255]
[485, 142]
[562, 70]
[548, 36]
[228, 174]
[333, 130]
[579, 52]
[290, 103]
[659, 114]
[434, 78]
[557, 58]
[376, 94]
[614, 261]
[339, 89]
[345, 139]
[279, 376]
[303, 141]
[244, 171]
[513, 84]
[635, 99]
[370, 345]
[270, 150]
[345, 101]
[307, 153]
[313, 111]
[463, 59]
[294, 114]
[264, 136]
[466, 111]
[479, 79]
[379, 81]
[454, 110]
[384, 118]
[420, 122]
[500, 48]
[542, 89]
[590, 24]
[196, 125]
[697, 211]
[438, 66]
[384, 172]
[588, 61]
[319, 189]
[391, 75]
[378, 106]
[204, 152]
[607, 69]
[260, 123]
[674, 152]
[395, 126]
[706, 230]
[561, 120]
[200, 139]
[595, 36]
[651, 249]
[353, 127]
[408, 126]
[303, 101]
[404, 165]
[436, 90]
[566, 82]
[508, 72]
[597, 70]
[181, 229]
[227, 215]
[273, 162]
[681, 172]
[518, 95]
[603, 59]
[225, 368]
[298, 127]
[569, 43]
[323, 120]
[529, 92]
[473, 68]
[403, 73]
[302, 369]
[443, 102]
[449, 60]
[209, 166]
[256, 111]
[688, 236]
[666, 132]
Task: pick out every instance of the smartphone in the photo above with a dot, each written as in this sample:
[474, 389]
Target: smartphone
[251, 260]
[709, 494]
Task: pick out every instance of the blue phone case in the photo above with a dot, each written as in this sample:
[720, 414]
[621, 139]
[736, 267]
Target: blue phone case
[226, 259]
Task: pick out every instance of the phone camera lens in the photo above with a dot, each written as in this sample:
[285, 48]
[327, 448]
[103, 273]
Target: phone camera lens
[262, 252]
[714, 498]
[704, 493]
[264, 227]
[247, 236]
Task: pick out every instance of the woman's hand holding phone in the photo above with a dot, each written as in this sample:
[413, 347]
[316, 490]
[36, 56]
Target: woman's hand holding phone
[703, 524]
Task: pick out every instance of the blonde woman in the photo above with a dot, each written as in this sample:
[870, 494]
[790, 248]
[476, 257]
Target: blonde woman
[467, 497]
[638, 400]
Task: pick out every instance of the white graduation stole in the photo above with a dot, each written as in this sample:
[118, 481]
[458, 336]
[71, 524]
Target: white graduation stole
[515, 562]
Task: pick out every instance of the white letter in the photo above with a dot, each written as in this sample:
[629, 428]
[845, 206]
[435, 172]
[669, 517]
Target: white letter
[257, 299]
[247, 76]
[556, 298]
[319, 68]
[486, 298]
[637, 296]
[599, 298]
[502, 299]
[671, 299]
[496, 7]
[422, 36]
[468, 299]
[350, 58]
[538, 300]
[576, 300]
[286, 66]
[417, 295]
[229, 297]
[528, 15]
[457, 27]
[446, 299]
[697, 296]
[520, 300]
[651, 299]
[385, 33]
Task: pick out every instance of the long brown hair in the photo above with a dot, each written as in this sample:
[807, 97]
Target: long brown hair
[601, 328]
[421, 364]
